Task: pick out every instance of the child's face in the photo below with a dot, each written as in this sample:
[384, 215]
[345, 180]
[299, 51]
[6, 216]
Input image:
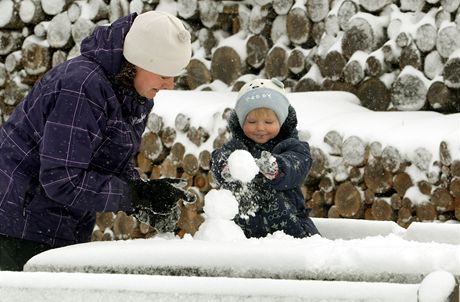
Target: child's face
[261, 125]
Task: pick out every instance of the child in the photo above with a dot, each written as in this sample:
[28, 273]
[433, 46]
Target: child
[264, 124]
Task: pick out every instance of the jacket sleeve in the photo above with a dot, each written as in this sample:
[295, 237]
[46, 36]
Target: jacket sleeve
[71, 134]
[294, 163]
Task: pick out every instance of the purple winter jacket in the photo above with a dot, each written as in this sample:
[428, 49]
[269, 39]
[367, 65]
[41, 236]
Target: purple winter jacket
[67, 148]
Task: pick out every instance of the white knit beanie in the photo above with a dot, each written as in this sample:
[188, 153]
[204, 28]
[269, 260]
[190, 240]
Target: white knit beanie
[262, 93]
[158, 42]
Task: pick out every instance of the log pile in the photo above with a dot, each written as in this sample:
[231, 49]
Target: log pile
[394, 55]
[380, 184]
[350, 178]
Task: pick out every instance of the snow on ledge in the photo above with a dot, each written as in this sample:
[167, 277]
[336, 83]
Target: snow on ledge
[63, 287]
[377, 258]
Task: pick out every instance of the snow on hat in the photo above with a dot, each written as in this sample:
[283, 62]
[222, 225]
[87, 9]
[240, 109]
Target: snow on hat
[158, 42]
[262, 93]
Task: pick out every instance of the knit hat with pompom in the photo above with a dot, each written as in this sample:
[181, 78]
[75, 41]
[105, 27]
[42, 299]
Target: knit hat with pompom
[262, 93]
[158, 42]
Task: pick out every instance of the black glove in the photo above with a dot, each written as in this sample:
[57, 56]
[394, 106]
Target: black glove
[158, 195]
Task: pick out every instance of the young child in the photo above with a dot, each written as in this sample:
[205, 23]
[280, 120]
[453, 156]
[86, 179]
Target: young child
[264, 124]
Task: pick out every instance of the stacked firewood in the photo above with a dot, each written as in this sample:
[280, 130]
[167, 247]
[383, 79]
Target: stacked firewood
[362, 180]
[350, 178]
[394, 55]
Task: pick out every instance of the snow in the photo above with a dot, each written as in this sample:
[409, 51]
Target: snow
[7, 8]
[242, 166]
[444, 283]
[321, 112]
[220, 206]
[363, 260]
[115, 287]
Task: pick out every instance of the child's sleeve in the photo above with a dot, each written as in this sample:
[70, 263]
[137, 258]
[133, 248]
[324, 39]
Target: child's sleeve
[294, 163]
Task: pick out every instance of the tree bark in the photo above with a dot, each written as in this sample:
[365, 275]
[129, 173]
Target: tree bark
[298, 25]
[10, 14]
[335, 65]
[204, 160]
[410, 55]
[448, 40]
[168, 136]
[353, 71]
[59, 31]
[226, 65]
[31, 12]
[377, 178]
[190, 164]
[54, 7]
[433, 65]
[276, 63]
[209, 12]
[348, 200]
[10, 41]
[381, 210]
[452, 72]
[37, 55]
[409, 90]
[354, 151]
[365, 32]
[81, 29]
[282, 7]
[317, 10]
[152, 147]
[257, 49]
[374, 94]
[402, 182]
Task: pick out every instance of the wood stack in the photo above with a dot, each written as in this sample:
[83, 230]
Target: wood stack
[406, 54]
[394, 55]
[376, 184]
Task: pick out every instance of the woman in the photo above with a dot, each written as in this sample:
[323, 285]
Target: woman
[67, 149]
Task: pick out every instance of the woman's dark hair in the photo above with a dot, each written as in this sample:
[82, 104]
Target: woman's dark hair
[124, 79]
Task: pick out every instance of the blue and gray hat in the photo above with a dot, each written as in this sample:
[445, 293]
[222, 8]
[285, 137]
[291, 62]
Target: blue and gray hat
[262, 93]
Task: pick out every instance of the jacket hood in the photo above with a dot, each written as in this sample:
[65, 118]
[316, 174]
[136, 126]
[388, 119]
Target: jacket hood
[105, 44]
[288, 130]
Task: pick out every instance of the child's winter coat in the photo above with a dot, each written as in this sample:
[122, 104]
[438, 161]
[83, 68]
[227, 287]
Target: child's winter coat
[266, 206]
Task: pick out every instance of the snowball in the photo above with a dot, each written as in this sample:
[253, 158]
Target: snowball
[436, 287]
[242, 166]
[220, 204]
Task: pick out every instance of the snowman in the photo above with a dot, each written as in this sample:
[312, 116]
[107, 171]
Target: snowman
[220, 206]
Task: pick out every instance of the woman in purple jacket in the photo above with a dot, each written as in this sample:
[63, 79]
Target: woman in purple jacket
[66, 151]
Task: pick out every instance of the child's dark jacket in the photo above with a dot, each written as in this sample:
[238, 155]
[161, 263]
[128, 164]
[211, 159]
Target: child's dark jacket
[278, 204]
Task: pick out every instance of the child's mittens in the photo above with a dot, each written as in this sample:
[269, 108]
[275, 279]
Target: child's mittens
[268, 165]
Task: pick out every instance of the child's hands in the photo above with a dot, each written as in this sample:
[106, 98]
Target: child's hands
[267, 165]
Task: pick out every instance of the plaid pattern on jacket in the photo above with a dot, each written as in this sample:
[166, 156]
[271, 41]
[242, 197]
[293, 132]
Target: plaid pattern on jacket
[67, 149]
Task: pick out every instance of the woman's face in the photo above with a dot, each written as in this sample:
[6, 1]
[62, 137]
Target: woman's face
[147, 83]
[261, 125]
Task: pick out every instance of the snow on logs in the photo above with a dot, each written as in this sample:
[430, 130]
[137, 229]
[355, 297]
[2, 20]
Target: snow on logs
[392, 55]
[350, 178]
[310, 45]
